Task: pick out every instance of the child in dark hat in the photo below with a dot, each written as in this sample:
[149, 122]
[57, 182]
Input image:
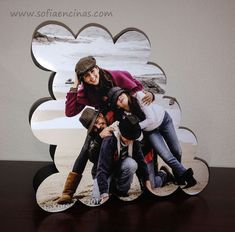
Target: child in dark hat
[121, 156]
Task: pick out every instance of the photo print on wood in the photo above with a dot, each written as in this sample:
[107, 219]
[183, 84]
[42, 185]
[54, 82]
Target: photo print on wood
[112, 128]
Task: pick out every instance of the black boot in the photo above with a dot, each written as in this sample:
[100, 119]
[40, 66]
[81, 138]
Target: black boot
[188, 178]
[178, 180]
[115, 191]
[119, 193]
[169, 176]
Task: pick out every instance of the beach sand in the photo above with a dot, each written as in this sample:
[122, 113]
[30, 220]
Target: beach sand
[51, 188]
[69, 142]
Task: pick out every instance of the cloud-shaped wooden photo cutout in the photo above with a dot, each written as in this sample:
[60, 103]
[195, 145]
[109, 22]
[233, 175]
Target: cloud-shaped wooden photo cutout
[56, 49]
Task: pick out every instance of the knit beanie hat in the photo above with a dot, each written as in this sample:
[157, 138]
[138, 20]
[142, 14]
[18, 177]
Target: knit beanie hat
[113, 95]
[130, 128]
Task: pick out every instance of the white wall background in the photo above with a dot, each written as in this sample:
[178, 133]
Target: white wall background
[193, 41]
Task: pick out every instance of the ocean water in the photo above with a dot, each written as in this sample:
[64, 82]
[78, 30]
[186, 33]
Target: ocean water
[61, 52]
[130, 52]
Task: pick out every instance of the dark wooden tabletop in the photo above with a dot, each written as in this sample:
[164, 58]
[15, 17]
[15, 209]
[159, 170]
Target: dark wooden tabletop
[213, 210]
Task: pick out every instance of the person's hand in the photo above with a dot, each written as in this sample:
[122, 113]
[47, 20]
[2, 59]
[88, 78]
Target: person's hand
[76, 82]
[148, 98]
[106, 132]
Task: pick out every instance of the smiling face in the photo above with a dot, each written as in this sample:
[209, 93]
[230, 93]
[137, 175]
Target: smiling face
[92, 77]
[99, 124]
[123, 101]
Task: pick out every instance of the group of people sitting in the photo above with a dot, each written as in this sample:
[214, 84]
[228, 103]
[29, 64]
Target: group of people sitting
[126, 129]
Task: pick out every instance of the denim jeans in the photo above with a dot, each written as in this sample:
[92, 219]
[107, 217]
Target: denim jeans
[123, 178]
[156, 179]
[166, 144]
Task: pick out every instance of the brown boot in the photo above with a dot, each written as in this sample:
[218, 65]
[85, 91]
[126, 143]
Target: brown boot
[70, 187]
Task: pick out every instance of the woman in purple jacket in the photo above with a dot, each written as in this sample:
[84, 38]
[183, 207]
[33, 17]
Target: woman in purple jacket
[93, 84]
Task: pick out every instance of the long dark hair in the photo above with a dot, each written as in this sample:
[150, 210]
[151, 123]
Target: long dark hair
[101, 90]
[105, 84]
[135, 109]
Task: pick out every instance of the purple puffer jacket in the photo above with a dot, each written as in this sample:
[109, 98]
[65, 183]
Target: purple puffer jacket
[76, 101]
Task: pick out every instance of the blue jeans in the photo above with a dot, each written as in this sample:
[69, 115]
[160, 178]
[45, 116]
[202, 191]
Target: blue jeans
[165, 143]
[156, 179]
[123, 178]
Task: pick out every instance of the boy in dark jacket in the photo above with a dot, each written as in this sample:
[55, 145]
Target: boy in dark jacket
[120, 156]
